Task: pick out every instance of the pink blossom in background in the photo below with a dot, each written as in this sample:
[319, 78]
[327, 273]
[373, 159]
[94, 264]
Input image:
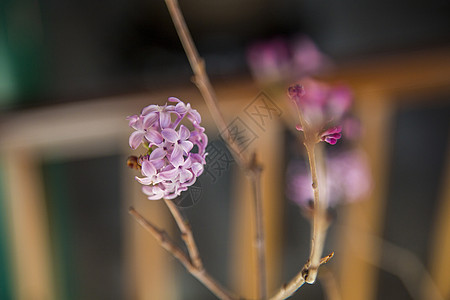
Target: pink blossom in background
[269, 60]
[281, 59]
[323, 107]
[176, 154]
[348, 179]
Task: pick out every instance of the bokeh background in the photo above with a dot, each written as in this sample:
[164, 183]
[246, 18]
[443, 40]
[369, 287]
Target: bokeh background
[70, 73]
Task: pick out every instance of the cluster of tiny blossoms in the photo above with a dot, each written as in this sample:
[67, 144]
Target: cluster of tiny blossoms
[322, 108]
[176, 154]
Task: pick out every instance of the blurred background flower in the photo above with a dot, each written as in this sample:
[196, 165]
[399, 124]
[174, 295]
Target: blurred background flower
[348, 178]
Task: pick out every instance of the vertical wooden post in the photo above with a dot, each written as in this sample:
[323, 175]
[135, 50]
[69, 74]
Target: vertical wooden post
[358, 278]
[25, 205]
[269, 149]
[440, 246]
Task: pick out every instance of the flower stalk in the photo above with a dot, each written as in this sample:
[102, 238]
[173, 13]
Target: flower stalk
[196, 270]
[186, 234]
[319, 222]
[316, 158]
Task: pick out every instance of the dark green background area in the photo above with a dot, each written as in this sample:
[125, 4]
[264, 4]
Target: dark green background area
[5, 271]
[85, 224]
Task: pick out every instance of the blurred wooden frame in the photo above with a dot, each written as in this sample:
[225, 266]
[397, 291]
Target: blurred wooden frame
[98, 128]
[381, 86]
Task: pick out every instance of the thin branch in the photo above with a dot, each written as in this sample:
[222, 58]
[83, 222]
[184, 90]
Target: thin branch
[202, 81]
[316, 160]
[288, 289]
[259, 228]
[199, 273]
[251, 167]
[186, 234]
[320, 222]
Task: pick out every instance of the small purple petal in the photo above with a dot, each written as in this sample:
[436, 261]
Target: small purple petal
[164, 119]
[330, 140]
[132, 120]
[335, 136]
[176, 157]
[158, 163]
[171, 196]
[136, 139]
[148, 169]
[144, 180]
[195, 116]
[197, 169]
[332, 130]
[150, 109]
[158, 194]
[187, 146]
[150, 119]
[157, 154]
[185, 176]
[170, 135]
[153, 136]
[188, 162]
[181, 108]
[174, 99]
[169, 175]
[184, 133]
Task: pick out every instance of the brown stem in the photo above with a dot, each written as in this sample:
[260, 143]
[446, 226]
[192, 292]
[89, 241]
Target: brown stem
[259, 236]
[319, 227]
[288, 289]
[320, 222]
[186, 234]
[165, 242]
[202, 82]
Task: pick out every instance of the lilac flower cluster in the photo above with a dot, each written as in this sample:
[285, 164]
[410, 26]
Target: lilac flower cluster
[322, 107]
[176, 154]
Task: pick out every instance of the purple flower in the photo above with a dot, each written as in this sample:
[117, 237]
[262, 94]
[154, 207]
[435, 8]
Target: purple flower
[170, 166]
[163, 112]
[143, 126]
[281, 59]
[181, 146]
[183, 109]
[323, 108]
[331, 135]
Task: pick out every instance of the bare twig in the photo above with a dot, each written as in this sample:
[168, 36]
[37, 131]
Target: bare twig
[199, 273]
[320, 222]
[202, 82]
[251, 167]
[259, 236]
[186, 234]
[288, 289]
